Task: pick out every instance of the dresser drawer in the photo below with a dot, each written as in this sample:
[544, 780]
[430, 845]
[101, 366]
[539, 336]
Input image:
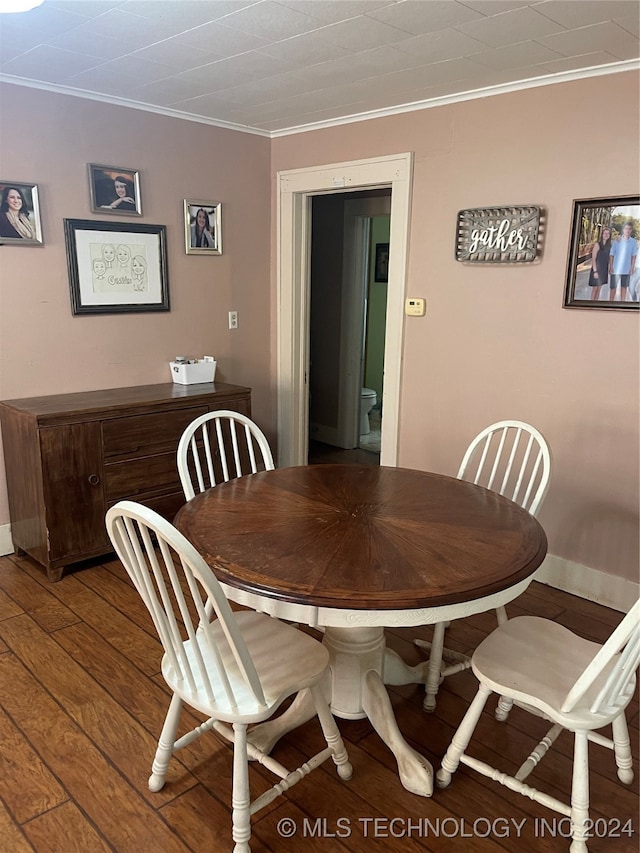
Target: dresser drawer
[145, 475]
[143, 435]
[167, 505]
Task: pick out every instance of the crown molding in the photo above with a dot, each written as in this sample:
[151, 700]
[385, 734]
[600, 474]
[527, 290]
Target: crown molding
[489, 91]
[473, 94]
[135, 105]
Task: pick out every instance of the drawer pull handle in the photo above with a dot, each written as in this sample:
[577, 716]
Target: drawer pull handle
[94, 479]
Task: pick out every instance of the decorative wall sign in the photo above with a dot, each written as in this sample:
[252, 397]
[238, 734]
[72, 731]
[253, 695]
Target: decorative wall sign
[499, 235]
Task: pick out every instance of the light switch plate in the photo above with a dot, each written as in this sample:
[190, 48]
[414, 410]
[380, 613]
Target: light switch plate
[414, 307]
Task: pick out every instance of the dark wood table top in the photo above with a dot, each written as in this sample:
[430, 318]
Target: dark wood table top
[362, 537]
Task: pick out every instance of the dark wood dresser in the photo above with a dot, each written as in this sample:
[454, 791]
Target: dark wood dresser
[69, 457]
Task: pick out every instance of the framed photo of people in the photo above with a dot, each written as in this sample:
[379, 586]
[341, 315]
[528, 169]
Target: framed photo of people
[603, 268]
[116, 268]
[19, 214]
[115, 189]
[202, 227]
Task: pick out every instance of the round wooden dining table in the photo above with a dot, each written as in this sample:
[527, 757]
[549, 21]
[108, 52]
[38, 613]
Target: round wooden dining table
[353, 549]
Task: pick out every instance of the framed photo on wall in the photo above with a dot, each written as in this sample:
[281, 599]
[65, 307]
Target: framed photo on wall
[381, 272]
[115, 189]
[19, 214]
[116, 269]
[603, 269]
[202, 227]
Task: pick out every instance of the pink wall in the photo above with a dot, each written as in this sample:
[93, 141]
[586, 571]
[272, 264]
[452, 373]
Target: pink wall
[496, 342]
[48, 139]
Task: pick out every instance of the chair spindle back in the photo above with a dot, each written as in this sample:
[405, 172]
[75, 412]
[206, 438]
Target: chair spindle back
[620, 655]
[218, 447]
[180, 591]
[511, 458]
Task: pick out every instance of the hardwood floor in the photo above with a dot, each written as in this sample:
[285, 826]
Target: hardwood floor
[320, 453]
[82, 702]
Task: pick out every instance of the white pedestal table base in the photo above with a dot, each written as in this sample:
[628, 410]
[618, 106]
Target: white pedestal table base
[360, 667]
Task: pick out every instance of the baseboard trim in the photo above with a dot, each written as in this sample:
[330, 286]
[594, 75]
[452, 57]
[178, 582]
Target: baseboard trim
[592, 584]
[6, 543]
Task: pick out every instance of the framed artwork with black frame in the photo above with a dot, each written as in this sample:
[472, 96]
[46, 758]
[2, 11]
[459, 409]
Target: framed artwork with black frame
[115, 268]
[381, 272]
[603, 269]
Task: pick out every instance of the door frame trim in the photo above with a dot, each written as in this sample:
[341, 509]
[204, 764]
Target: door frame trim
[295, 188]
[358, 215]
[351, 339]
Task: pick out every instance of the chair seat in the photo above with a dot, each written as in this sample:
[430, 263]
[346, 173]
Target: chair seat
[579, 685]
[285, 659]
[555, 658]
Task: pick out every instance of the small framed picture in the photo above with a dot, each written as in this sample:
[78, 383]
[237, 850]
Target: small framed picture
[115, 189]
[382, 262]
[116, 268]
[19, 214]
[603, 269]
[202, 227]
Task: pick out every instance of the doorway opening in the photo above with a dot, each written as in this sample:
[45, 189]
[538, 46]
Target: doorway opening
[347, 321]
[296, 188]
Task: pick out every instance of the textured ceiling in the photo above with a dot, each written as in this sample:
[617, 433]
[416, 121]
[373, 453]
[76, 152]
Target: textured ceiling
[272, 66]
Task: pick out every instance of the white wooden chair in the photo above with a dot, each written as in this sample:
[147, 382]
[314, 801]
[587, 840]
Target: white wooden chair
[513, 459]
[236, 669]
[218, 447]
[555, 674]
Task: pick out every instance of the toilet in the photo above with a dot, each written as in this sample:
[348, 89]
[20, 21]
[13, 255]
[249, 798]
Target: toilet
[367, 402]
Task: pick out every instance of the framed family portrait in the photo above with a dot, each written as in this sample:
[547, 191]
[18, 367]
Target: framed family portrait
[115, 189]
[603, 269]
[19, 214]
[202, 227]
[116, 269]
[381, 272]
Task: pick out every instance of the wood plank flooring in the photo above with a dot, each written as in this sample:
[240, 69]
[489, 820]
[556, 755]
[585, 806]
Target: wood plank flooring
[320, 453]
[82, 702]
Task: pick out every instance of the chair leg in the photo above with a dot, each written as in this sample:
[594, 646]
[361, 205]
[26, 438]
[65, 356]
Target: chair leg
[434, 672]
[580, 793]
[504, 704]
[622, 749]
[332, 734]
[165, 745]
[502, 710]
[240, 798]
[462, 737]
[538, 753]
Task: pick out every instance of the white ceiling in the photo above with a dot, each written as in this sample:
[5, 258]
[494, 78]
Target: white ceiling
[272, 66]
